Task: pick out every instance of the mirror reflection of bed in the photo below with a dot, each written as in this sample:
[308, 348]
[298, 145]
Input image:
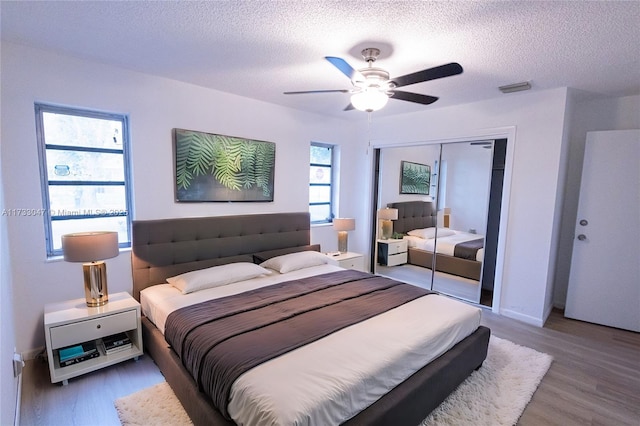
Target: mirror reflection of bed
[458, 261]
[461, 206]
[453, 285]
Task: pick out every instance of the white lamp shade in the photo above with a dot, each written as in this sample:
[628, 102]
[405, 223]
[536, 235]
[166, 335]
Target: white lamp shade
[388, 214]
[370, 99]
[90, 246]
[344, 224]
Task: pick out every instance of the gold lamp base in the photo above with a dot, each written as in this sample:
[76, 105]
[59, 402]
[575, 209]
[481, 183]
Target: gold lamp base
[342, 241]
[95, 283]
[387, 229]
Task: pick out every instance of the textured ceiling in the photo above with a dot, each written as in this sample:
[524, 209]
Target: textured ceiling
[260, 49]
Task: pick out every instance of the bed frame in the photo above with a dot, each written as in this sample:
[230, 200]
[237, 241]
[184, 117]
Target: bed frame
[421, 214]
[163, 248]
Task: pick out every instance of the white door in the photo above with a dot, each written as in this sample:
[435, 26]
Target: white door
[604, 282]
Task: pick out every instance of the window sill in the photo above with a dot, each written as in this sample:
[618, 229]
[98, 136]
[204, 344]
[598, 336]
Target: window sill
[60, 258]
[321, 225]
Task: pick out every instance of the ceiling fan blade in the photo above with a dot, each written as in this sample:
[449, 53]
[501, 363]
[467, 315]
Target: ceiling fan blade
[345, 68]
[317, 91]
[446, 70]
[413, 97]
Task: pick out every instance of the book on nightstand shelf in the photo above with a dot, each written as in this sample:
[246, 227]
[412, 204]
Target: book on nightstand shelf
[116, 343]
[116, 349]
[77, 353]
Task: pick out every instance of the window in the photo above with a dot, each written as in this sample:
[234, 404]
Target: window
[84, 168]
[321, 183]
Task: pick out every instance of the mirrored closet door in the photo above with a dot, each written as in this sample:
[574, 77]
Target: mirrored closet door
[407, 186]
[463, 186]
[435, 198]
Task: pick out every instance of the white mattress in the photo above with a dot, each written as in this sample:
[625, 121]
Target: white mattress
[334, 378]
[444, 245]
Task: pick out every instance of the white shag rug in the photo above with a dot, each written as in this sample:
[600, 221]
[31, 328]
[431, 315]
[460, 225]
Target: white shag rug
[497, 393]
[494, 395]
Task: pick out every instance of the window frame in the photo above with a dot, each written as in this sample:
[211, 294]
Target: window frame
[45, 182]
[331, 185]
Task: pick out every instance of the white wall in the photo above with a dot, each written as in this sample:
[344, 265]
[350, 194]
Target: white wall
[531, 230]
[7, 334]
[355, 186]
[586, 116]
[155, 106]
[468, 180]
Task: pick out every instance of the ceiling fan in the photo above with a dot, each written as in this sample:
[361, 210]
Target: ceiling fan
[372, 86]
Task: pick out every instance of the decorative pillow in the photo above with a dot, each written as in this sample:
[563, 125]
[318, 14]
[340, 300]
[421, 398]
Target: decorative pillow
[266, 255]
[428, 233]
[295, 261]
[216, 276]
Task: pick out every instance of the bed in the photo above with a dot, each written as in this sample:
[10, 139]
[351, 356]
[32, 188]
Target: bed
[457, 253]
[171, 247]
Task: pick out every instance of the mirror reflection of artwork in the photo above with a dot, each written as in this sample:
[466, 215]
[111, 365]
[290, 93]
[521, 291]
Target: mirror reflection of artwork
[212, 167]
[415, 178]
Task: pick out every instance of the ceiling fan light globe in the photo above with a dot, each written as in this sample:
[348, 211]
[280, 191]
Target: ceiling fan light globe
[369, 100]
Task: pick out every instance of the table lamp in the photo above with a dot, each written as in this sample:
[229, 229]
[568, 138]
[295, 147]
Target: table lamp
[91, 249]
[386, 215]
[343, 226]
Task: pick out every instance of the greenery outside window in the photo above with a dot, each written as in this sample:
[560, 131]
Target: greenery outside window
[321, 180]
[85, 173]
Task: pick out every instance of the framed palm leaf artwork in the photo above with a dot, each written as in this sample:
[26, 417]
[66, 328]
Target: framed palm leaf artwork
[212, 167]
[415, 178]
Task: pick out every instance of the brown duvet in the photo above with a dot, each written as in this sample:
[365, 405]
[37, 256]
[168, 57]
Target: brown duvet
[218, 340]
[468, 249]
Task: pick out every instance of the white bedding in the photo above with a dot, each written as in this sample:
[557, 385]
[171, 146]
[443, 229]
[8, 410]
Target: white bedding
[332, 379]
[444, 245]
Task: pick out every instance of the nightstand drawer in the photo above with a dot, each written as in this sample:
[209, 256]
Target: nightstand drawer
[397, 247]
[83, 331]
[356, 263]
[397, 259]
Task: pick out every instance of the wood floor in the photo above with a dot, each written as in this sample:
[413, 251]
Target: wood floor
[593, 380]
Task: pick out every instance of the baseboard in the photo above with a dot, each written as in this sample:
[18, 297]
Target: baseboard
[538, 322]
[27, 355]
[547, 312]
[16, 417]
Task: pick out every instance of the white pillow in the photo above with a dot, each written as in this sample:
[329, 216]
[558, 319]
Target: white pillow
[428, 233]
[294, 261]
[216, 276]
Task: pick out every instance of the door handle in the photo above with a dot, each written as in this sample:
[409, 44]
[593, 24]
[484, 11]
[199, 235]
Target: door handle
[582, 237]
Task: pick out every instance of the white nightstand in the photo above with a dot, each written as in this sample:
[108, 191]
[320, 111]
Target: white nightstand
[350, 260]
[73, 322]
[392, 252]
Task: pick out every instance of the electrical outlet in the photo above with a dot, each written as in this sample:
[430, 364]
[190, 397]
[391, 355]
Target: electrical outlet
[18, 364]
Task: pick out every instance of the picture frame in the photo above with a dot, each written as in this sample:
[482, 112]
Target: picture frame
[218, 168]
[415, 178]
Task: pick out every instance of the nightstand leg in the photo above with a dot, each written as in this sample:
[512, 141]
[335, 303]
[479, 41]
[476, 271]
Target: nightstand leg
[65, 382]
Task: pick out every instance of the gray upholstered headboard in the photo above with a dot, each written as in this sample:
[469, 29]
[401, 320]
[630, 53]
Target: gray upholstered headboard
[413, 215]
[168, 247]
